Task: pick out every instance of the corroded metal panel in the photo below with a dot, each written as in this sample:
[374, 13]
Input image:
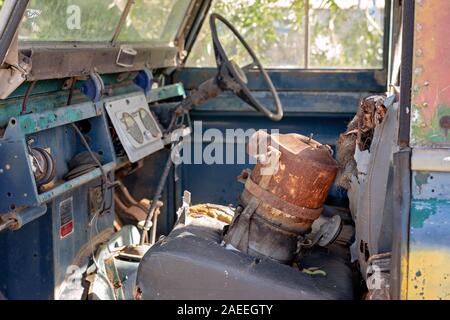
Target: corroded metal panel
[429, 238]
[429, 256]
[431, 81]
[428, 275]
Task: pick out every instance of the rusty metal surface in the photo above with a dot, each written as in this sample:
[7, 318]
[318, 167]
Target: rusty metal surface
[280, 207]
[424, 262]
[274, 201]
[430, 121]
[289, 223]
[359, 133]
[52, 61]
[207, 90]
[306, 171]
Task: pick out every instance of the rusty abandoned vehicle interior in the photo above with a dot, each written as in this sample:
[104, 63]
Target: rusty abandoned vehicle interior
[198, 149]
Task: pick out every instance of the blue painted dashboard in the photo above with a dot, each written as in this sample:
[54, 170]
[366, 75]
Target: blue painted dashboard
[38, 249]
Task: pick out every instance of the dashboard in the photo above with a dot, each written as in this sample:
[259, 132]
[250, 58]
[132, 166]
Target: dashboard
[135, 125]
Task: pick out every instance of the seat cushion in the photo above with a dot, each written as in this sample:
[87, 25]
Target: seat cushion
[190, 263]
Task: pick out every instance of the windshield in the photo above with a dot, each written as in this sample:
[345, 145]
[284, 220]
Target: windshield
[154, 20]
[97, 21]
[309, 34]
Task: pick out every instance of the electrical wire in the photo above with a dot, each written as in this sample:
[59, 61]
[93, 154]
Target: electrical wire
[93, 223]
[104, 185]
[100, 210]
[99, 269]
[88, 148]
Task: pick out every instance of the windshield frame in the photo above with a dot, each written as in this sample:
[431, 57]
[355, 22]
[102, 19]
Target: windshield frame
[11, 15]
[310, 79]
[99, 56]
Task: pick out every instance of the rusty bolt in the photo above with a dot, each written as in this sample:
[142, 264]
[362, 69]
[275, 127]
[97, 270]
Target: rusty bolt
[445, 124]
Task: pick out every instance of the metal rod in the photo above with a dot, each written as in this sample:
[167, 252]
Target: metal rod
[306, 3]
[154, 227]
[27, 96]
[124, 15]
[10, 17]
[151, 214]
[406, 73]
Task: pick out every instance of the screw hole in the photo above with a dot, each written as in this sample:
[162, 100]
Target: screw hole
[9, 194]
[12, 207]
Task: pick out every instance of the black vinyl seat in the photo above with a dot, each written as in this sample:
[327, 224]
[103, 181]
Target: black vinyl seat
[190, 263]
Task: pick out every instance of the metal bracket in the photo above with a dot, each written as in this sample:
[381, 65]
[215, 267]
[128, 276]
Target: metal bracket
[144, 80]
[17, 220]
[18, 66]
[93, 87]
[183, 211]
[328, 232]
[95, 196]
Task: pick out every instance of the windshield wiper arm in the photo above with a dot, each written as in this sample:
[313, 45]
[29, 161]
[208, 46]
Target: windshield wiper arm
[124, 15]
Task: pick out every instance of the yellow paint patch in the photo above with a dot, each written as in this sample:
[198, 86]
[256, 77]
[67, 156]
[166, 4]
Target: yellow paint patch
[429, 274]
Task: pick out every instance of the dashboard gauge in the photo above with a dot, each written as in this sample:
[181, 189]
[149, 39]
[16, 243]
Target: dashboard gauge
[132, 127]
[148, 122]
[136, 128]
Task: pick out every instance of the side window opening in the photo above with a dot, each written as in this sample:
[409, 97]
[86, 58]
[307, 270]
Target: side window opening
[301, 34]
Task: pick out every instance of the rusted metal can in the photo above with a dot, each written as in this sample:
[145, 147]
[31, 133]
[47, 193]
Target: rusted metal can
[282, 197]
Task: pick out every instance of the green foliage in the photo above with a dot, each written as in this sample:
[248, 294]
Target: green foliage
[148, 20]
[154, 20]
[259, 22]
[339, 37]
[48, 20]
[349, 38]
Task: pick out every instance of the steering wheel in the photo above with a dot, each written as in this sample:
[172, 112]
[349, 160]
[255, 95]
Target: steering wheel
[232, 77]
